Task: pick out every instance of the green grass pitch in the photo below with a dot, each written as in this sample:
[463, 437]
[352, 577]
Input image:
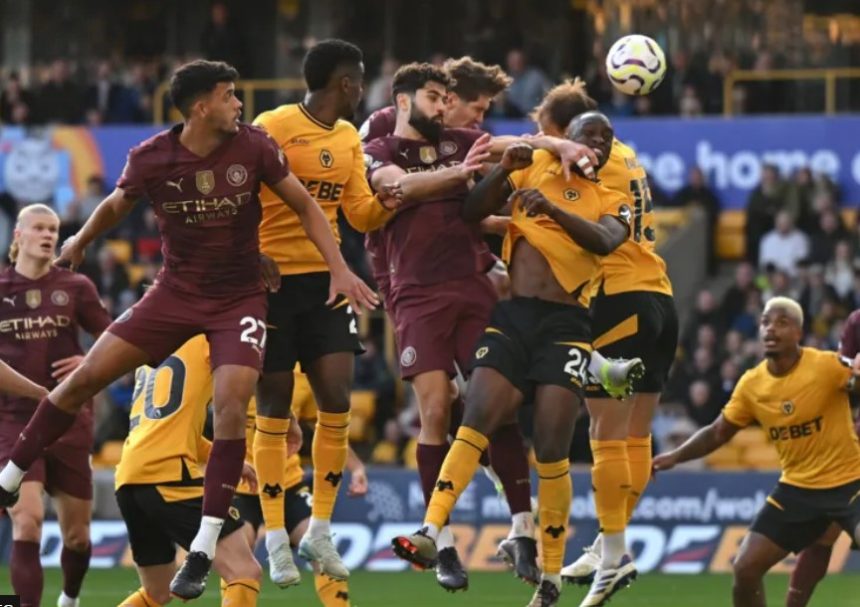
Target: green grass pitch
[105, 588]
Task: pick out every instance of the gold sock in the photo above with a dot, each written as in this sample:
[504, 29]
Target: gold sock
[140, 598]
[555, 492]
[331, 440]
[610, 477]
[639, 456]
[240, 593]
[457, 471]
[270, 462]
[332, 592]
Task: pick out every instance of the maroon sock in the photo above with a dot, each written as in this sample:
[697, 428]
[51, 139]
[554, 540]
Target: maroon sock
[222, 475]
[511, 465]
[46, 426]
[75, 566]
[430, 458]
[810, 569]
[26, 573]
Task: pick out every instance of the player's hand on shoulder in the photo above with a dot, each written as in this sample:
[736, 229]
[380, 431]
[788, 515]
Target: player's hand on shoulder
[249, 476]
[271, 273]
[517, 156]
[344, 282]
[532, 202]
[60, 369]
[577, 157]
[71, 254]
[477, 155]
[357, 483]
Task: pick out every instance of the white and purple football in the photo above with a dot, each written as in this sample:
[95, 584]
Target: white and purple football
[636, 64]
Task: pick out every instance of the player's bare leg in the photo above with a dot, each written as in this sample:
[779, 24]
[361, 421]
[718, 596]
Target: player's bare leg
[154, 586]
[274, 397]
[757, 554]
[233, 386]
[25, 563]
[109, 358]
[330, 377]
[236, 565]
[556, 410]
[74, 515]
[434, 391]
[810, 568]
[490, 399]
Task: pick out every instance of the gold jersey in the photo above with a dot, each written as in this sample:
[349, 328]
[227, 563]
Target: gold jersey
[807, 416]
[635, 265]
[329, 161]
[575, 268]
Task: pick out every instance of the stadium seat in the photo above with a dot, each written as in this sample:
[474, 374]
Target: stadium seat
[410, 454]
[384, 453]
[135, 273]
[121, 250]
[731, 235]
[108, 456]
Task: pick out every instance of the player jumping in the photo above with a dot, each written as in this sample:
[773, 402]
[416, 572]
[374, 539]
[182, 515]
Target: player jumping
[799, 396]
[41, 312]
[203, 178]
[538, 344]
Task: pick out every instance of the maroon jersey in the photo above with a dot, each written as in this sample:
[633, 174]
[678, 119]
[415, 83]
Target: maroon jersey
[849, 344]
[427, 242]
[39, 322]
[208, 209]
[379, 124]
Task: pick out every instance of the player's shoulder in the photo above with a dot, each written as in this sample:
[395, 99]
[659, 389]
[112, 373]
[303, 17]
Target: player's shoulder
[66, 276]
[155, 145]
[253, 133]
[277, 119]
[378, 124]
[814, 358]
[460, 134]
[622, 150]
[853, 318]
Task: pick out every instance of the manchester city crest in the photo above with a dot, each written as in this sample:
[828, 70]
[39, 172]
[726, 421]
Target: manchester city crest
[205, 181]
[237, 175]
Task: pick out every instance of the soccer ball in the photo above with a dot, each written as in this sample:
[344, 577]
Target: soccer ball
[636, 65]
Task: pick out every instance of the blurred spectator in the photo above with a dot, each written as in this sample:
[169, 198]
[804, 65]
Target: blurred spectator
[852, 301]
[703, 405]
[784, 246]
[705, 313]
[147, 242]
[815, 294]
[801, 193]
[16, 102]
[110, 101]
[689, 104]
[80, 209]
[697, 192]
[762, 207]
[679, 432]
[111, 279]
[529, 85]
[59, 99]
[372, 373]
[223, 40]
[379, 92]
[839, 271]
[746, 323]
[734, 301]
[823, 242]
[729, 375]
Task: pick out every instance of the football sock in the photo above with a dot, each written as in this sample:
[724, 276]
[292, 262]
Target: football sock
[595, 365]
[445, 539]
[522, 525]
[270, 462]
[509, 461]
[430, 459]
[810, 568]
[66, 601]
[207, 536]
[75, 566]
[332, 592]
[240, 593]
[613, 549]
[457, 471]
[140, 598]
[319, 527]
[639, 458]
[275, 538]
[328, 451]
[47, 425]
[610, 476]
[26, 572]
[223, 471]
[555, 492]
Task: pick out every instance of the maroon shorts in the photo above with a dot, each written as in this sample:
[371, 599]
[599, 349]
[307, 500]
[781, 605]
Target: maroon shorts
[165, 318]
[65, 465]
[438, 325]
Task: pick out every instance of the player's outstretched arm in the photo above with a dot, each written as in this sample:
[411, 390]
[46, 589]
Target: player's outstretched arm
[570, 153]
[108, 214]
[703, 442]
[12, 382]
[492, 193]
[343, 281]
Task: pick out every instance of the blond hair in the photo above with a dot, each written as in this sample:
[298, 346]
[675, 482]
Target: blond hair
[791, 307]
[563, 103]
[42, 209]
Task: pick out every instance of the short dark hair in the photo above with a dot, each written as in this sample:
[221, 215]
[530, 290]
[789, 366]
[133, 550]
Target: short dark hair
[324, 58]
[474, 78]
[197, 78]
[413, 76]
[563, 103]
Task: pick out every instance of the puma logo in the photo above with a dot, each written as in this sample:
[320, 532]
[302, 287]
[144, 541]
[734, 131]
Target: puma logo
[555, 532]
[175, 184]
[272, 491]
[342, 595]
[333, 478]
[442, 485]
[10, 301]
[404, 153]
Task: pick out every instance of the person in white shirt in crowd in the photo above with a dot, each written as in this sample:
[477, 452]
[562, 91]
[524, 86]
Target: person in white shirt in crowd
[784, 246]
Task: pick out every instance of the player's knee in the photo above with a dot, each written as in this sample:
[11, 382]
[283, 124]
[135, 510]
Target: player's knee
[27, 526]
[160, 595]
[435, 413]
[551, 451]
[77, 539]
[746, 572]
[230, 413]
